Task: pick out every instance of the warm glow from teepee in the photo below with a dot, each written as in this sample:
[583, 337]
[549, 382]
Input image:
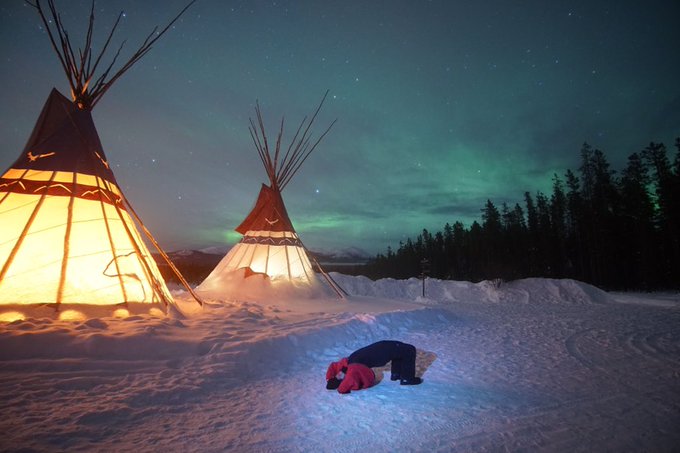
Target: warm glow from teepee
[157, 312]
[283, 262]
[46, 268]
[121, 313]
[71, 315]
[11, 316]
[277, 262]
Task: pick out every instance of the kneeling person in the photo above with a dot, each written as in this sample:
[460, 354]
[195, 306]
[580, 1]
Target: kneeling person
[355, 373]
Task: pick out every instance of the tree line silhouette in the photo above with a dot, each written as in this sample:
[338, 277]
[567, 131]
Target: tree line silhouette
[614, 231]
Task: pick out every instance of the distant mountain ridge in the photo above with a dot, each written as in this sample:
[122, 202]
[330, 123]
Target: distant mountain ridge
[334, 255]
[353, 255]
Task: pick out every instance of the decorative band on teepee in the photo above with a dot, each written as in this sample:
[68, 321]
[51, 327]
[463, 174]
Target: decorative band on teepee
[62, 189]
[275, 241]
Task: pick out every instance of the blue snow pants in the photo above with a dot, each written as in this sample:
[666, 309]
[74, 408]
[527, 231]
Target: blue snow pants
[402, 356]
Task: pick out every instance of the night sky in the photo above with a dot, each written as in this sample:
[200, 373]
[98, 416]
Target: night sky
[441, 105]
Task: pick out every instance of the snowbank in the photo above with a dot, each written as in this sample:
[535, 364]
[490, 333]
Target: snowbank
[530, 290]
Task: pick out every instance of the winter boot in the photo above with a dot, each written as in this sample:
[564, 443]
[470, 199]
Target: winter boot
[412, 381]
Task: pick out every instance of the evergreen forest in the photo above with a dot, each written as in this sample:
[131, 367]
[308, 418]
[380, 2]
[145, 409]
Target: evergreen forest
[613, 230]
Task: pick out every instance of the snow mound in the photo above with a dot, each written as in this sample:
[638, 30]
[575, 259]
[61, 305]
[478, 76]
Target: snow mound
[554, 291]
[244, 285]
[529, 290]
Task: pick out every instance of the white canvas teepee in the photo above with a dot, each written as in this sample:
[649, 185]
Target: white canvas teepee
[270, 244]
[270, 247]
[67, 232]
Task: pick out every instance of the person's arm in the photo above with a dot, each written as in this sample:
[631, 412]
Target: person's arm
[346, 386]
[349, 382]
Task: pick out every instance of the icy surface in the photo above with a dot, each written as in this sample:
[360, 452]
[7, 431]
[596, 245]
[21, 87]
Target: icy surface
[532, 365]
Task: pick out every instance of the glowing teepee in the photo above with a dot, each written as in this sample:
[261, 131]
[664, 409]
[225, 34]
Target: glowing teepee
[270, 246]
[67, 232]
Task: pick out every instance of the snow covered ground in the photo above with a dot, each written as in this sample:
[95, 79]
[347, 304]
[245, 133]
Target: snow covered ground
[531, 365]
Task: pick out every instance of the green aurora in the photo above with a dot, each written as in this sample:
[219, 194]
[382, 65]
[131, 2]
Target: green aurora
[441, 105]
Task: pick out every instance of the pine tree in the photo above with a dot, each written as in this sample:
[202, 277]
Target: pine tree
[460, 253]
[577, 245]
[667, 217]
[558, 223]
[637, 214]
[492, 245]
[543, 236]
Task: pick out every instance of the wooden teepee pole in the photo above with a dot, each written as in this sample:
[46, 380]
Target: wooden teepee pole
[339, 290]
[78, 67]
[165, 256]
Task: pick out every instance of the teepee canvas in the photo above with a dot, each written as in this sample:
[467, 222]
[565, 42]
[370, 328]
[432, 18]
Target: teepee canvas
[270, 247]
[67, 232]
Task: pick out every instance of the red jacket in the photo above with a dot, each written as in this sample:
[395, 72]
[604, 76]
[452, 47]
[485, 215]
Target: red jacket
[357, 376]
